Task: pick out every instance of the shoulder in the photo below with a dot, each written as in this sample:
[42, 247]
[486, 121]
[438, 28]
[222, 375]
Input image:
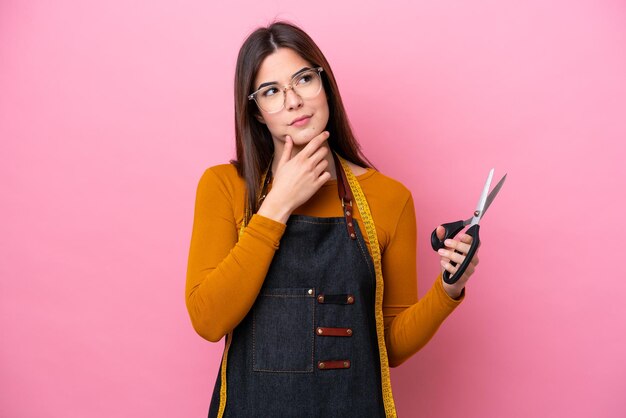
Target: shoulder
[379, 186]
[390, 202]
[222, 178]
[225, 174]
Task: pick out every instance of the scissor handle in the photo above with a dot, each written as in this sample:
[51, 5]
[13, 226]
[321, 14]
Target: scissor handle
[451, 228]
[473, 232]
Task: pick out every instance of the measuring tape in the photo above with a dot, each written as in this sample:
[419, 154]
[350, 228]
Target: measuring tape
[370, 229]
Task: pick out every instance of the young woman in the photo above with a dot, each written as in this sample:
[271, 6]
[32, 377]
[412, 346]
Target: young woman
[293, 243]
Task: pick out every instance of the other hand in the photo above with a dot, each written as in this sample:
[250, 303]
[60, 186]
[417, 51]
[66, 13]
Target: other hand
[460, 243]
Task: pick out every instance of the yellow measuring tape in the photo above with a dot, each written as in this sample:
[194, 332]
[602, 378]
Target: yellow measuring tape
[220, 411]
[370, 229]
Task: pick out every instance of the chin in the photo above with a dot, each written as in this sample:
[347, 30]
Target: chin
[304, 136]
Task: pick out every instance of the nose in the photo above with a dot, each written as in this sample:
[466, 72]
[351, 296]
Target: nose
[292, 99]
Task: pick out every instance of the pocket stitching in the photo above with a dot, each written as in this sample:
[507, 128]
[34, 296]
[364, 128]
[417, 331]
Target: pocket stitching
[309, 368]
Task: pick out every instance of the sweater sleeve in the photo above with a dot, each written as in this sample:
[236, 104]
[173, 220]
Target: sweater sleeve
[224, 274]
[409, 323]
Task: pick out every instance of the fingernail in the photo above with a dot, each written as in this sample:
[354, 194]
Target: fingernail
[448, 242]
[441, 251]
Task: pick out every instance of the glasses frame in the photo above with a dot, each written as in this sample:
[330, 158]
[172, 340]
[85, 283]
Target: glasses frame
[284, 89]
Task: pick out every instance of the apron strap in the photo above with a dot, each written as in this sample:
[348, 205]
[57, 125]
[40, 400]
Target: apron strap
[345, 194]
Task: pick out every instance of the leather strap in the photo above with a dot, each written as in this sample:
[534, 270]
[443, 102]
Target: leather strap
[345, 194]
[333, 364]
[335, 299]
[333, 332]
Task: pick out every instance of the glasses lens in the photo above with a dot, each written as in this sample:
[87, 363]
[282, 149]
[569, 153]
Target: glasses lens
[308, 84]
[270, 99]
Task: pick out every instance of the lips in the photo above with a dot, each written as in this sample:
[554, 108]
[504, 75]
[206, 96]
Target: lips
[300, 120]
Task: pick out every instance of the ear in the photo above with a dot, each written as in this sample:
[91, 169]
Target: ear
[259, 117]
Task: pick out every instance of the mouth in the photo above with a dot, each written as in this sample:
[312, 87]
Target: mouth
[300, 121]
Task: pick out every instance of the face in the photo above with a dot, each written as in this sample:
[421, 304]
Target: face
[301, 119]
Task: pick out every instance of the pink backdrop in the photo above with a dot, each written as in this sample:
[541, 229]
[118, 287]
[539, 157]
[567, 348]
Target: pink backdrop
[110, 112]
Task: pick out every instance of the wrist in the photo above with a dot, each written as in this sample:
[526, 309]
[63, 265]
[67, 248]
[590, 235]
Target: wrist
[454, 291]
[274, 210]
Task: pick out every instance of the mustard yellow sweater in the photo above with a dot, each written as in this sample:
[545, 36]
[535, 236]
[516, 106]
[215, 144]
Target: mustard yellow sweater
[225, 274]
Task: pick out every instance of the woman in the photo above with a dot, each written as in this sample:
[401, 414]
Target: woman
[290, 246]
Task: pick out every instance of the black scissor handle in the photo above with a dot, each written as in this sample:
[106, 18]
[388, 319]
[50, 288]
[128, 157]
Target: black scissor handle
[451, 228]
[473, 232]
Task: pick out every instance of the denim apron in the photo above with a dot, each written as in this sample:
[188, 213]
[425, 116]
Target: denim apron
[308, 346]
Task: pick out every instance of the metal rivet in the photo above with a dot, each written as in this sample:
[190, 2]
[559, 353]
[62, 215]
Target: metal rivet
[320, 298]
[349, 223]
[310, 291]
[352, 236]
[476, 212]
[321, 365]
[346, 364]
[347, 213]
[349, 331]
[320, 331]
[350, 299]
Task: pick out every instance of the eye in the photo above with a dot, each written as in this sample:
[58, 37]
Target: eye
[269, 91]
[305, 78]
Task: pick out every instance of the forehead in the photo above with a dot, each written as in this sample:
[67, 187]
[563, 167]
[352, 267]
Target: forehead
[280, 66]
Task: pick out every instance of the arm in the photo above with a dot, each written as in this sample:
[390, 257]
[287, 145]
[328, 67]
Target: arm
[409, 323]
[224, 274]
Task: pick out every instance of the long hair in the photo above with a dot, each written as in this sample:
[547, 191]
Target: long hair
[255, 147]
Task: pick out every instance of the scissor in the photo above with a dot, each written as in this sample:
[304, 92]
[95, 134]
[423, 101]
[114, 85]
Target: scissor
[453, 228]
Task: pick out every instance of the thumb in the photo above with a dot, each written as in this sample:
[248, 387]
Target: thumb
[441, 232]
[286, 156]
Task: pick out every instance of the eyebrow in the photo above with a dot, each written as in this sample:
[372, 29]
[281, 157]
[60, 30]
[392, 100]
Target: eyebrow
[271, 83]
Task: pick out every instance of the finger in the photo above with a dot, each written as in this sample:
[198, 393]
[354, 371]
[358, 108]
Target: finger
[318, 155]
[314, 144]
[448, 267]
[441, 232]
[467, 239]
[286, 156]
[320, 167]
[451, 255]
[453, 244]
[322, 179]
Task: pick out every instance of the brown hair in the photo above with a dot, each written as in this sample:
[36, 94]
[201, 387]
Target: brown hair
[255, 147]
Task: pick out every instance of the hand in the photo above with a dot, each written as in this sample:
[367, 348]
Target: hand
[461, 243]
[297, 178]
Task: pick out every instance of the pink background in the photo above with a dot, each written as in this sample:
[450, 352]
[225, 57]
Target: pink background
[110, 112]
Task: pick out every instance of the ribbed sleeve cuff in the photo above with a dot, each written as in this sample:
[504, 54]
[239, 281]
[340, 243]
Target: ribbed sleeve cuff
[444, 297]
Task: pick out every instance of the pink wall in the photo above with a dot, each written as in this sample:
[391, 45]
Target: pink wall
[110, 111]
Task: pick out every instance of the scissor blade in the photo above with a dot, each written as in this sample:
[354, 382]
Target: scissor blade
[483, 199]
[493, 195]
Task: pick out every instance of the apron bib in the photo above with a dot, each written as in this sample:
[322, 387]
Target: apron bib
[309, 345]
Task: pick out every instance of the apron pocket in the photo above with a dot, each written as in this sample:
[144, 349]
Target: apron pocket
[283, 330]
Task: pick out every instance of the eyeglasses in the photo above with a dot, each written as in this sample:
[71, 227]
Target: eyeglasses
[271, 99]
